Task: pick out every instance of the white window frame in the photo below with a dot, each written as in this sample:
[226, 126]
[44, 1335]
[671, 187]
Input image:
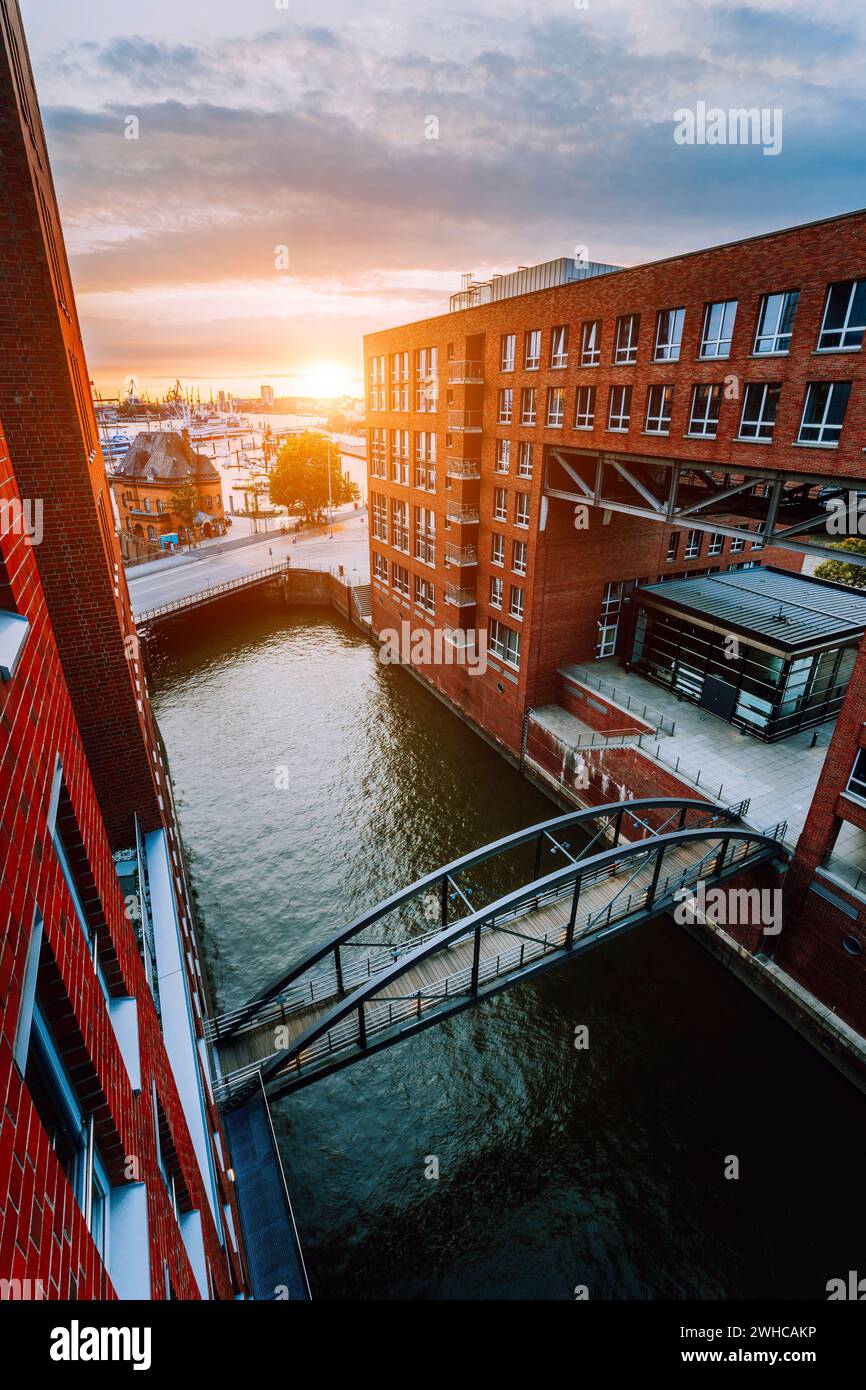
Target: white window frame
[770, 339]
[619, 420]
[716, 342]
[657, 422]
[758, 427]
[507, 347]
[590, 343]
[669, 349]
[705, 425]
[532, 350]
[823, 439]
[528, 405]
[847, 328]
[555, 407]
[584, 415]
[559, 347]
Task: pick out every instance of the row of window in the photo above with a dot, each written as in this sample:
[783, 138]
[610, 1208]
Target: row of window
[426, 376]
[823, 413]
[128, 499]
[843, 325]
[396, 521]
[394, 462]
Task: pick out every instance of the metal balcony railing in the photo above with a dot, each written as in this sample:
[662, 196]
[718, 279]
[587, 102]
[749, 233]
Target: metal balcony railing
[463, 468]
[464, 421]
[463, 513]
[465, 372]
[460, 597]
[461, 555]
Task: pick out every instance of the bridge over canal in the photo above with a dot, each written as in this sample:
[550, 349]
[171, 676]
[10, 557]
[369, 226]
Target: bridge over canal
[491, 919]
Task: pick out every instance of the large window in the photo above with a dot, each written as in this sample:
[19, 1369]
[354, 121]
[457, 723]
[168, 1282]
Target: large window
[584, 410]
[559, 346]
[627, 331]
[506, 359]
[503, 455]
[844, 320]
[659, 402]
[518, 557]
[718, 328]
[824, 412]
[555, 407]
[669, 335]
[760, 406]
[500, 504]
[528, 405]
[524, 460]
[506, 405]
[590, 343]
[776, 323]
[505, 643]
[704, 416]
[619, 408]
[497, 549]
[521, 509]
[532, 350]
[425, 594]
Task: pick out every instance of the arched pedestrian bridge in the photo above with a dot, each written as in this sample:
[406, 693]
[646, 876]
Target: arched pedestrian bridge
[475, 926]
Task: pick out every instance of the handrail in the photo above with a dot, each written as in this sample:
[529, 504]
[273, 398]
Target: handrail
[440, 875]
[212, 591]
[559, 878]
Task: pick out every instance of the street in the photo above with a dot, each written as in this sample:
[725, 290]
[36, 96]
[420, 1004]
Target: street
[177, 576]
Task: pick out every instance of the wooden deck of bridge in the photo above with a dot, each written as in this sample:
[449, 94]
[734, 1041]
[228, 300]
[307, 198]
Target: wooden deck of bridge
[429, 975]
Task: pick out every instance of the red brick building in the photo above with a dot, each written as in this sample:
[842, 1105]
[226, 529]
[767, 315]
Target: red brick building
[571, 432]
[114, 1175]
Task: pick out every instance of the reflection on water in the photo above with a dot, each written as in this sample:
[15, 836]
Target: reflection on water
[557, 1167]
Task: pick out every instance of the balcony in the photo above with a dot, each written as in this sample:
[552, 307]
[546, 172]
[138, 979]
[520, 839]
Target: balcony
[463, 556]
[463, 468]
[460, 597]
[464, 421]
[462, 513]
[466, 373]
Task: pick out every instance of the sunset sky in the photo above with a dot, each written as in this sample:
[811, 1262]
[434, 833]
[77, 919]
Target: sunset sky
[304, 126]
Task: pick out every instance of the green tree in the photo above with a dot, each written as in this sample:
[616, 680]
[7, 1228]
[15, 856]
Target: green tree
[299, 478]
[184, 502]
[838, 571]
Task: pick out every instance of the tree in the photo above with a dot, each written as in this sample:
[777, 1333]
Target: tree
[838, 571]
[299, 478]
[184, 503]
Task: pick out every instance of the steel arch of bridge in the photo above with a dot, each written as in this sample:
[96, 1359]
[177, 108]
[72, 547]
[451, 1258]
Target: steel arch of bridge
[349, 1023]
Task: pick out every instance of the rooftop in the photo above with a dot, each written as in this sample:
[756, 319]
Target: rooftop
[792, 613]
[164, 456]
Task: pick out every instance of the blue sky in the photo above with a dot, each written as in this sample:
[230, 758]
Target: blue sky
[304, 126]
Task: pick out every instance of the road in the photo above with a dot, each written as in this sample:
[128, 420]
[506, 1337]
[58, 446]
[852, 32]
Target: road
[178, 576]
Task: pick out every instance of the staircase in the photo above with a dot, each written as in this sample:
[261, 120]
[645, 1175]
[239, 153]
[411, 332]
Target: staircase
[362, 604]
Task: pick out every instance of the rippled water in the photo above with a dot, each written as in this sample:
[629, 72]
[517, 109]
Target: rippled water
[557, 1167]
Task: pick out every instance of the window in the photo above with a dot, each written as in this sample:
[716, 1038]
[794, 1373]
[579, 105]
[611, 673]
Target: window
[844, 320]
[506, 404]
[776, 323]
[425, 594]
[532, 350]
[380, 567]
[527, 405]
[518, 557]
[400, 457]
[619, 408]
[147, 504]
[760, 528]
[673, 546]
[497, 549]
[737, 544]
[716, 544]
[503, 455]
[400, 381]
[760, 405]
[704, 418]
[505, 643]
[559, 347]
[857, 781]
[824, 412]
[496, 586]
[515, 607]
[608, 623]
[521, 509]
[425, 535]
[555, 407]
[669, 335]
[507, 352]
[524, 460]
[718, 328]
[426, 380]
[627, 329]
[380, 516]
[500, 504]
[584, 408]
[693, 545]
[590, 343]
[425, 461]
[400, 526]
[379, 453]
[151, 533]
[400, 580]
[378, 386]
[659, 400]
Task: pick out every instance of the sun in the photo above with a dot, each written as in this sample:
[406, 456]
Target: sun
[324, 379]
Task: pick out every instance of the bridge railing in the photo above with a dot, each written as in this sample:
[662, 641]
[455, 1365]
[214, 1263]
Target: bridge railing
[245, 581]
[424, 907]
[355, 1022]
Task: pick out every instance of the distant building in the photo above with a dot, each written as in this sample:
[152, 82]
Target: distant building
[145, 480]
[267, 395]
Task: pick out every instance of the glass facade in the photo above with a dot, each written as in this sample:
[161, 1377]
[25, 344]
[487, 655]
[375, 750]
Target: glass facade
[771, 694]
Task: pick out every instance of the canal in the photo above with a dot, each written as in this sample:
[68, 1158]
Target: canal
[557, 1167]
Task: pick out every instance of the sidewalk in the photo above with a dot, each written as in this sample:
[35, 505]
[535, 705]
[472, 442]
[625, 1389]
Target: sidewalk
[221, 545]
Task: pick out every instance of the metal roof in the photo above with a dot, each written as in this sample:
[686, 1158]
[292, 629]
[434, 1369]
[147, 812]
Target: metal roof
[789, 612]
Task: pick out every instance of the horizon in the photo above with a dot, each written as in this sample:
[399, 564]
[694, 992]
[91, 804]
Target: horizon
[370, 161]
